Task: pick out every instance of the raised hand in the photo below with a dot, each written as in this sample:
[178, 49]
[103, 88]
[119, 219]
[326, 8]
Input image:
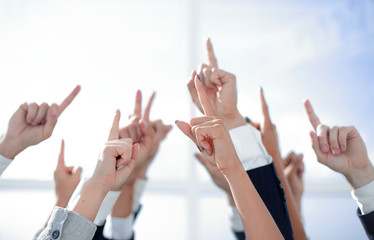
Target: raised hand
[268, 131]
[117, 159]
[341, 149]
[220, 88]
[212, 138]
[66, 179]
[140, 130]
[210, 134]
[32, 124]
[293, 170]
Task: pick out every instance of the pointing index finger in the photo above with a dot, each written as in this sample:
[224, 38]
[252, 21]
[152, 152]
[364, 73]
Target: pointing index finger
[138, 104]
[68, 100]
[114, 131]
[264, 106]
[203, 98]
[314, 120]
[61, 157]
[212, 60]
[148, 108]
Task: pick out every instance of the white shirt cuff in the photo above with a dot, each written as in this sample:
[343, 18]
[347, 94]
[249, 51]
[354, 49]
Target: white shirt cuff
[140, 185]
[106, 207]
[249, 148]
[364, 197]
[118, 228]
[235, 220]
[4, 163]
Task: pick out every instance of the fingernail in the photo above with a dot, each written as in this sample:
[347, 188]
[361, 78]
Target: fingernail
[198, 77]
[343, 147]
[54, 111]
[198, 147]
[335, 150]
[324, 148]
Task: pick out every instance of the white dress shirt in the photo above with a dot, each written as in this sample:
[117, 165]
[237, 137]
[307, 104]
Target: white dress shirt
[122, 228]
[252, 153]
[4, 163]
[364, 197]
[249, 148]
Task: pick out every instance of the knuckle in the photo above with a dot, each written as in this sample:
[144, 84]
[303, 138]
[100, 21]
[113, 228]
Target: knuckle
[220, 122]
[33, 104]
[44, 105]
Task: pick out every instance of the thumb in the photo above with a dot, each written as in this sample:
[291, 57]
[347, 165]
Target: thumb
[288, 160]
[51, 121]
[167, 129]
[315, 146]
[135, 151]
[77, 171]
[293, 166]
[186, 129]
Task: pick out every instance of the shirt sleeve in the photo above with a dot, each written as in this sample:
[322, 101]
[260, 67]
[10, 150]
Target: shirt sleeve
[235, 220]
[118, 228]
[38, 233]
[64, 224]
[249, 148]
[364, 197]
[4, 163]
[106, 207]
[139, 188]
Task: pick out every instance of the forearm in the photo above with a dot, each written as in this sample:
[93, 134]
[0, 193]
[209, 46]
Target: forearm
[257, 221]
[235, 120]
[292, 205]
[123, 206]
[90, 200]
[10, 148]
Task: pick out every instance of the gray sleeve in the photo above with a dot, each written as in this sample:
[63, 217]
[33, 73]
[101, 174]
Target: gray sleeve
[38, 233]
[65, 224]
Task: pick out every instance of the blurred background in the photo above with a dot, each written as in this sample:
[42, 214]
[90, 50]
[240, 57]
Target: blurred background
[320, 50]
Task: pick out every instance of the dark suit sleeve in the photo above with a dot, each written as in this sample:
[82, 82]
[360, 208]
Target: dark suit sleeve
[265, 180]
[367, 222]
[99, 231]
[240, 235]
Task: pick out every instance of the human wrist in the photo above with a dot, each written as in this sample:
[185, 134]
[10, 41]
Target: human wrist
[231, 169]
[90, 199]
[10, 148]
[230, 199]
[62, 202]
[235, 120]
[359, 178]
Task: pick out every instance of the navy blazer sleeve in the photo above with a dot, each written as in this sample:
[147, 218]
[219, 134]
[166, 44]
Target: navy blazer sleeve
[239, 235]
[265, 180]
[367, 222]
